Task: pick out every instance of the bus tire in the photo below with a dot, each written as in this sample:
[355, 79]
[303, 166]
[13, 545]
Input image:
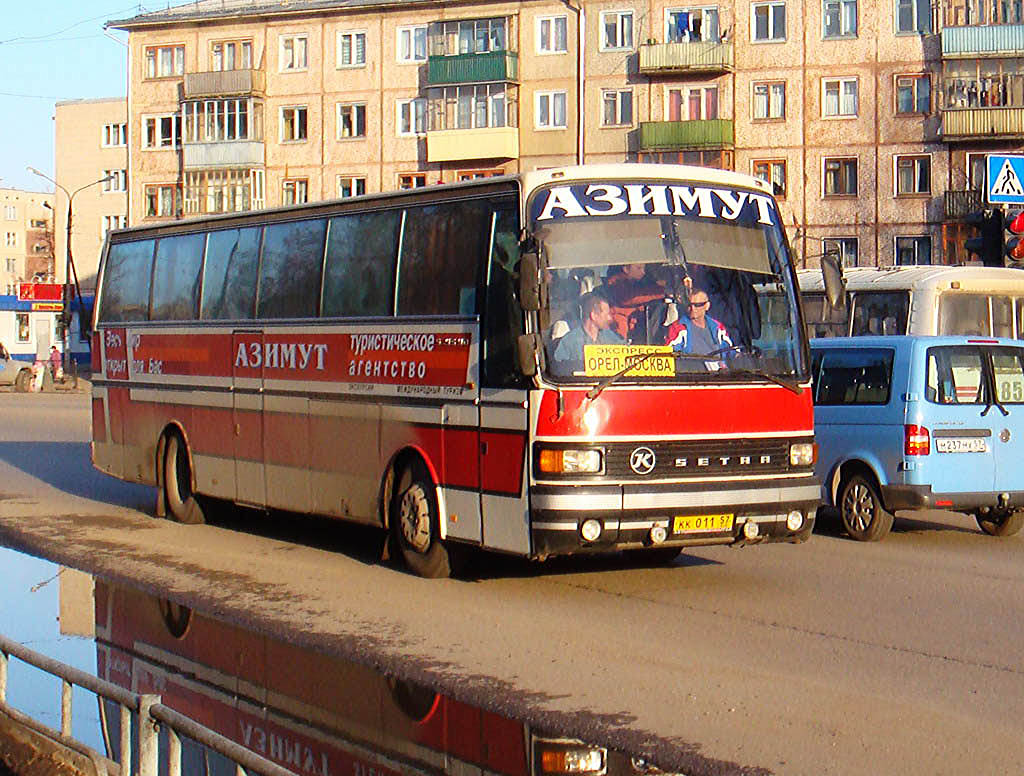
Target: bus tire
[860, 507]
[415, 525]
[23, 382]
[1000, 522]
[182, 506]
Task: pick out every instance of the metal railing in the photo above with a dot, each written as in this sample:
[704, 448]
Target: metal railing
[151, 714]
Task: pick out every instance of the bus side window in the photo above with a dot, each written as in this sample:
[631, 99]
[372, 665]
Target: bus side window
[1002, 316]
[503, 318]
[291, 269]
[126, 276]
[230, 274]
[179, 261]
[359, 277]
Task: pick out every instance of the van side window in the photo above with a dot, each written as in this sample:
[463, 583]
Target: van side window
[956, 376]
[880, 312]
[964, 314]
[853, 376]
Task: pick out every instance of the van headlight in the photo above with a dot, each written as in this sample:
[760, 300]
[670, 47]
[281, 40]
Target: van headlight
[587, 461]
[803, 454]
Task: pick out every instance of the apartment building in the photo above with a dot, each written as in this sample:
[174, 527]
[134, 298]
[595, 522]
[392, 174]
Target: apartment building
[91, 164]
[26, 250]
[842, 104]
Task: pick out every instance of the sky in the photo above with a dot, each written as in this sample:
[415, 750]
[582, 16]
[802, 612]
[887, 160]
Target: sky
[53, 50]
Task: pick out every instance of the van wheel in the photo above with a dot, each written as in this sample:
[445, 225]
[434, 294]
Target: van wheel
[860, 507]
[414, 523]
[1000, 522]
[23, 382]
[181, 502]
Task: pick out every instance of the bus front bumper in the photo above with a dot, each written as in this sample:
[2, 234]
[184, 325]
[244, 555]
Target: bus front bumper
[629, 516]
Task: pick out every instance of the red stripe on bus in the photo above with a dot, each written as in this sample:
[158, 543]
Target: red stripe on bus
[99, 421]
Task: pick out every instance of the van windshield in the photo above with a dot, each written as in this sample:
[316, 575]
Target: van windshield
[956, 375]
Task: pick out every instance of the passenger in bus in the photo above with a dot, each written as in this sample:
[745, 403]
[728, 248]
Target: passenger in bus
[629, 291]
[4, 354]
[697, 332]
[594, 329]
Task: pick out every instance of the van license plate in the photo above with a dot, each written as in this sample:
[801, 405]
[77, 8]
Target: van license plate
[960, 445]
[701, 523]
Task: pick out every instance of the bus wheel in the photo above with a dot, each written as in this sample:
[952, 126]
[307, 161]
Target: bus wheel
[860, 507]
[414, 522]
[181, 502]
[23, 382]
[1000, 522]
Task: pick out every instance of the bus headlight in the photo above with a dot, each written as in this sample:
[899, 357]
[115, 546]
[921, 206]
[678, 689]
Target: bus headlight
[589, 461]
[563, 757]
[803, 454]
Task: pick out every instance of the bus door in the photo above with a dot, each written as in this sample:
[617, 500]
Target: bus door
[460, 434]
[503, 504]
[247, 416]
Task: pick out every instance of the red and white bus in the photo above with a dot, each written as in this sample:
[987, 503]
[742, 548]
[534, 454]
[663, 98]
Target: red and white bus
[391, 359]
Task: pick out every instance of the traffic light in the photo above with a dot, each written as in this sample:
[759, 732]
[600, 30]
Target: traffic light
[988, 245]
[1012, 239]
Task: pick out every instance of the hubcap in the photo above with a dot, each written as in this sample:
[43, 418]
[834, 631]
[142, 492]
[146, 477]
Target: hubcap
[414, 518]
[859, 507]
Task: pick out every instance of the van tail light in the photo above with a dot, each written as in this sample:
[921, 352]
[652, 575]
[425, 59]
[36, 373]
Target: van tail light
[916, 440]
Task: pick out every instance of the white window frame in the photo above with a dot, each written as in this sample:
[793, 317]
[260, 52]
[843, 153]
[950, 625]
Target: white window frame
[418, 110]
[844, 243]
[242, 54]
[915, 6]
[917, 238]
[118, 183]
[282, 123]
[176, 202]
[915, 158]
[411, 30]
[295, 184]
[11, 240]
[620, 43]
[112, 222]
[619, 123]
[842, 82]
[163, 142]
[706, 13]
[770, 37]
[286, 64]
[177, 61]
[118, 133]
[552, 21]
[550, 97]
[825, 194]
[353, 182]
[768, 101]
[10, 212]
[356, 108]
[840, 5]
[917, 78]
[353, 34]
[414, 178]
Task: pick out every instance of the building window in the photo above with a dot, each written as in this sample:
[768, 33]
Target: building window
[618, 108]
[687, 25]
[24, 330]
[165, 61]
[840, 18]
[412, 43]
[616, 30]
[913, 16]
[774, 172]
[11, 240]
[295, 191]
[913, 250]
[351, 120]
[913, 94]
[10, 213]
[770, 100]
[257, 183]
[843, 248]
[113, 222]
[117, 180]
[472, 106]
[692, 103]
[12, 266]
[552, 35]
[351, 186]
[476, 36]
[114, 135]
[351, 49]
[293, 124]
[161, 131]
[768, 22]
[412, 116]
[217, 191]
[472, 175]
[161, 201]
[38, 223]
[839, 97]
[231, 55]
[217, 121]
[412, 180]
[913, 175]
[294, 53]
[550, 110]
[840, 177]
[40, 248]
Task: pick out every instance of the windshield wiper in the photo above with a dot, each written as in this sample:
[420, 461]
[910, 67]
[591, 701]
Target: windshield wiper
[594, 392]
[994, 403]
[787, 384]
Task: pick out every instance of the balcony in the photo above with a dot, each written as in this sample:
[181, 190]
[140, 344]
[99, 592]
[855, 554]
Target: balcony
[682, 135]
[230, 153]
[472, 68]
[982, 124]
[994, 40]
[451, 145]
[697, 57]
[224, 83]
[957, 204]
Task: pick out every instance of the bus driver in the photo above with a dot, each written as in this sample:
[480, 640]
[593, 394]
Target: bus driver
[595, 329]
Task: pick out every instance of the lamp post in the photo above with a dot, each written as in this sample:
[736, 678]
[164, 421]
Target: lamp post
[66, 315]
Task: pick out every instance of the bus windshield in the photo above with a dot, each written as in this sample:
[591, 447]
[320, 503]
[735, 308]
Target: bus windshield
[665, 277]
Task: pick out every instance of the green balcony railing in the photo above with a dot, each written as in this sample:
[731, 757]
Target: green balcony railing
[678, 135]
[473, 68]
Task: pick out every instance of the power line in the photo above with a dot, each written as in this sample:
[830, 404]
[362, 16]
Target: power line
[49, 35]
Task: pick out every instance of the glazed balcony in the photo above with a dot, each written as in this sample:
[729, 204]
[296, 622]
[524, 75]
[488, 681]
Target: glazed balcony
[683, 135]
[472, 68]
[696, 57]
[992, 40]
[224, 83]
[983, 124]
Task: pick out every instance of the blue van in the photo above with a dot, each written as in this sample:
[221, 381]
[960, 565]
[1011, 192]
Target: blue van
[917, 422]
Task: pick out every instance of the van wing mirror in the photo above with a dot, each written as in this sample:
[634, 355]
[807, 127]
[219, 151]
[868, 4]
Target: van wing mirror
[835, 284]
[527, 349]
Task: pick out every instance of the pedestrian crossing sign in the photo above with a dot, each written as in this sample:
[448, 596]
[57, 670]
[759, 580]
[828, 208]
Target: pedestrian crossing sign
[1005, 179]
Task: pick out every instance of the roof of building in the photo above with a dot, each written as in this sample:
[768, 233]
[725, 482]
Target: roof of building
[204, 10]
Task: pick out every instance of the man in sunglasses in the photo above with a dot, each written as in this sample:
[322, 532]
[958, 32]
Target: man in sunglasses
[697, 332]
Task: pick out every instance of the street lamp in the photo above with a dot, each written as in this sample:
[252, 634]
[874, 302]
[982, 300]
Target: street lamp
[68, 263]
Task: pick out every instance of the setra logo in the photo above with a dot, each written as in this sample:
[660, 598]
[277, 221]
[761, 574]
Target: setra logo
[642, 460]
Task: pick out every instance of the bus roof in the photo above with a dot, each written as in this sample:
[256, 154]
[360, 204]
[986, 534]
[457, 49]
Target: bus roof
[917, 277]
[630, 171]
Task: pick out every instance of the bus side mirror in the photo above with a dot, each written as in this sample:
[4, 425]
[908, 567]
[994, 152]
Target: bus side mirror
[835, 285]
[527, 352]
[531, 288]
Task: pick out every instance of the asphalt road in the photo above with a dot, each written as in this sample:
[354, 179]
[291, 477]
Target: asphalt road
[834, 657]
